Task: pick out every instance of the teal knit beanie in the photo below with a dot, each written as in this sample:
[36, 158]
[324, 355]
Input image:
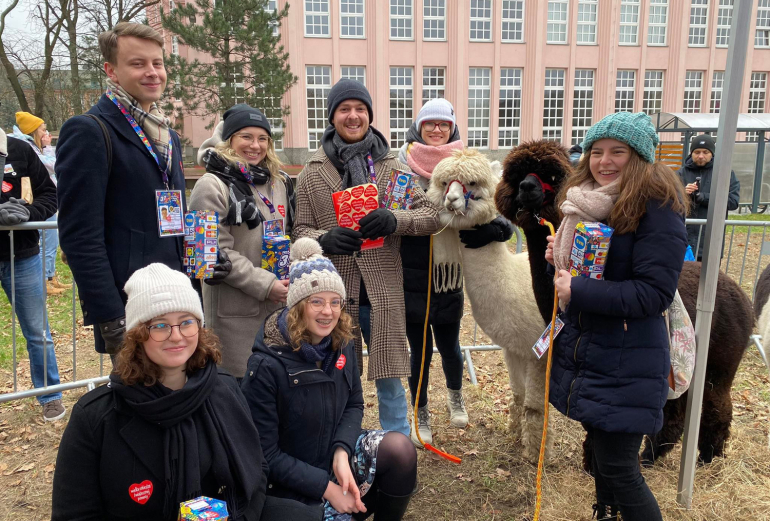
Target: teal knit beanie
[635, 129]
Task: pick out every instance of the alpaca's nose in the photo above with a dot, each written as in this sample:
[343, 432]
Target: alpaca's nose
[529, 184]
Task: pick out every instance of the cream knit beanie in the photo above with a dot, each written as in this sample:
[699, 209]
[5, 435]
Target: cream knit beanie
[310, 272]
[156, 290]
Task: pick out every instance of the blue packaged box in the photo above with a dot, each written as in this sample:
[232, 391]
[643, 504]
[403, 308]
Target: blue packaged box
[203, 508]
[590, 247]
[200, 243]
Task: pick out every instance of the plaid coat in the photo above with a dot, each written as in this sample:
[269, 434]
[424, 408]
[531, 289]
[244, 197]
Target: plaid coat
[380, 268]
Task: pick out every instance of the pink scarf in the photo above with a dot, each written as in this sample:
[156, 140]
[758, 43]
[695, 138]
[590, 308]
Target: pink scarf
[422, 159]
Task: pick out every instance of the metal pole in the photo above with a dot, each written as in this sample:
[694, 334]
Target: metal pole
[728, 124]
[13, 310]
[758, 172]
[45, 316]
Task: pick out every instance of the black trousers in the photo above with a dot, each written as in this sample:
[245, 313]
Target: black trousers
[447, 338]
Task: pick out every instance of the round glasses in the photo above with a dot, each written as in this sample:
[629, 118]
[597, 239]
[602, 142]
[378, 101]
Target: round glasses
[443, 126]
[319, 304]
[161, 332]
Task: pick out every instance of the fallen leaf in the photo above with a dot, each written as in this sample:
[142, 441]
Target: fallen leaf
[25, 467]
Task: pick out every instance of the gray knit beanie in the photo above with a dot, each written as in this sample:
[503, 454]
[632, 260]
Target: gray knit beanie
[156, 290]
[437, 109]
[310, 272]
[346, 89]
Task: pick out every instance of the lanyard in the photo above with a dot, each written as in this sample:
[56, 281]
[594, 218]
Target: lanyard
[372, 173]
[143, 138]
[248, 180]
[266, 201]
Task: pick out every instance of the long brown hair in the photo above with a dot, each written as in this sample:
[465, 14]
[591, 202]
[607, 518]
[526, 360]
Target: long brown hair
[295, 322]
[640, 182]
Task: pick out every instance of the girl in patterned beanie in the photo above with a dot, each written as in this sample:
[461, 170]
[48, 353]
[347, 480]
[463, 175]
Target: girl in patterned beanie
[303, 378]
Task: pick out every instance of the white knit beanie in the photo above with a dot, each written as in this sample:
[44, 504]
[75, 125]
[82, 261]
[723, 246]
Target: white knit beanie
[310, 272]
[156, 290]
[437, 109]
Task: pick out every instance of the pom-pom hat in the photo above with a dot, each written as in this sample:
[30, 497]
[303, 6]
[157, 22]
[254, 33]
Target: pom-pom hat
[310, 272]
[635, 129]
[156, 290]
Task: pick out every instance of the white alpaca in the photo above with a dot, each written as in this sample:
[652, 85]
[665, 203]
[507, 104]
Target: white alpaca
[498, 284]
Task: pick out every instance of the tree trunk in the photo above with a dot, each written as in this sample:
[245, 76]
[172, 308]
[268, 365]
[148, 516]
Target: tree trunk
[72, 22]
[10, 70]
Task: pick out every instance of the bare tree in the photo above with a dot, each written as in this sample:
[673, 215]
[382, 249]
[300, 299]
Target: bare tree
[10, 70]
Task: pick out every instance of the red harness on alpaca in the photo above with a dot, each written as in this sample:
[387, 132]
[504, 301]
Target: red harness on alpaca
[548, 192]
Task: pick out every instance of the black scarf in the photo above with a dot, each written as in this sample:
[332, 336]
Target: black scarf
[350, 158]
[243, 206]
[321, 352]
[201, 413]
[413, 134]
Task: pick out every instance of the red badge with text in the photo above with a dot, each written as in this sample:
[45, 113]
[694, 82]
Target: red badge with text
[7, 187]
[282, 210]
[341, 362]
[141, 492]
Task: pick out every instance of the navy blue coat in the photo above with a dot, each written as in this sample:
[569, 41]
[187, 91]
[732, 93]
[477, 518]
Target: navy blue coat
[108, 223]
[611, 360]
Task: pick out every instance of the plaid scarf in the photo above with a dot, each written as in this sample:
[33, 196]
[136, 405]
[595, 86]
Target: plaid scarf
[154, 123]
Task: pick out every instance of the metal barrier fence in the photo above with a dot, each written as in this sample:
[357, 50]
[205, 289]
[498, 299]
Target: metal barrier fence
[735, 236]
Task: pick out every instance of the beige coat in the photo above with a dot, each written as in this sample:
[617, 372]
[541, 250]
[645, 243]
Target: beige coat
[380, 268]
[236, 309]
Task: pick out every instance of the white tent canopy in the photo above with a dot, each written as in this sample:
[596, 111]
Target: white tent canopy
[681, 121]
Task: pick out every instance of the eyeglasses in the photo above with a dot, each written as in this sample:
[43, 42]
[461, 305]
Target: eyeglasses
[443, 126]
[249, 138]
[161, 332]
[319, 304]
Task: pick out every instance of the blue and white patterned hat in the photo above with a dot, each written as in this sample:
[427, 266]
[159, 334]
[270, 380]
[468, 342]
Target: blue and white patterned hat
[310, 272]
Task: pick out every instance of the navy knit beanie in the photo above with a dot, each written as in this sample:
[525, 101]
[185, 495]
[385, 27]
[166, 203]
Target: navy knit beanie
[635, 129]
[242, 116]
[346, 89]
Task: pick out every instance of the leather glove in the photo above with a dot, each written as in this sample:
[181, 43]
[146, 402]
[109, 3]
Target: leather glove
[13, 212]
[379, 223]
[112, 333]
[698, 198]
[498, 230]
[340, 241]
[222, 269]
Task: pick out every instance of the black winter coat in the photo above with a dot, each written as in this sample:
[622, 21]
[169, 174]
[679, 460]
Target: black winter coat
[108, 224]
[611, 360]
[22, 161]
[106, 449]
[302, 414]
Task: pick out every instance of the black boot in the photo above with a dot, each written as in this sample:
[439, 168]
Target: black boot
[390, 508]
[604, 512]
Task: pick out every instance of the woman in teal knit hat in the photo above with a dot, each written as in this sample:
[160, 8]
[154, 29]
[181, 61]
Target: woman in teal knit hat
[611, 360]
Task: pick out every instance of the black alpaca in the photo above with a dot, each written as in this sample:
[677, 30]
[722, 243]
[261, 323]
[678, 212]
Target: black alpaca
[532, 175]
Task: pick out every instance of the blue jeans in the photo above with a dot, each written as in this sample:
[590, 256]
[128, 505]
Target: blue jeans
[33, 319]
[51, 246]
[391, 397]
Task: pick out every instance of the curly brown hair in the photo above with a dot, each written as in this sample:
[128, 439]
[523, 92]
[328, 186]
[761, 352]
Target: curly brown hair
[133, 365]
[295, 322]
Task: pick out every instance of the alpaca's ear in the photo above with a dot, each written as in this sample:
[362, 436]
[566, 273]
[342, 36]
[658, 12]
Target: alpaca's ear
[497, 168]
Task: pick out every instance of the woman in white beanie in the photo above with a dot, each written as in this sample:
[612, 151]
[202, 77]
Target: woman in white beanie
[304, 391]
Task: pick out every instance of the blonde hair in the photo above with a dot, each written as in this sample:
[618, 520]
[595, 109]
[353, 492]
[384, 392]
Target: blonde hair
[298, 332]
[108, 40]
[36, 136]
[271, 161]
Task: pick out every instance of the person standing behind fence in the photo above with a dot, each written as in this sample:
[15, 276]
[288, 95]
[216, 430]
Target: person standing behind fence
[696, 177]
[32, 129]
[22, 164]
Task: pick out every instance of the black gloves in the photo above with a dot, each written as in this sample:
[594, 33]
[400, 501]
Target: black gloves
[697, 198]
[379, 223]
[222, 269]
[13, 212]
[340, 241]
[498, 230]
[112, 333]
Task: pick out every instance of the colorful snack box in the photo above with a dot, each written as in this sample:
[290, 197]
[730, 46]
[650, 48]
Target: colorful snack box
[275, 255]
[399, 193]
[200, 243]
[590, 246]
[203, 508]
[352, 205]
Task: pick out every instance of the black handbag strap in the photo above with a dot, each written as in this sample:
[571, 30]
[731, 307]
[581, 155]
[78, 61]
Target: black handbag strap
[107, 141]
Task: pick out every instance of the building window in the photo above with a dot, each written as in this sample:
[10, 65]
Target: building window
[479, 90]
[401, 104]
[319, 82]
[757, 89]
[171, 5]
[652, 102]
[433, 83]
[762, 36]
[656, 34]
[354, 73]
[629, 22]
[699, 10]
[351, 18]
[625, 89]
[724, 18]
[693, 84]
[557, 21]
[513, 21]
[317, 18]
[434, 20]
[717, 84]
[586, 22]
[481, 20]
[238, 88]
[401, 20]
[509, 114]
[175, 45]
[553, 104]
[582, 104]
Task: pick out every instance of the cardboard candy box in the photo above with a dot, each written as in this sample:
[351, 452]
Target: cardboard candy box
[275, 255]
[352, 205]
[201, 243]
[590, 246]
[203, 508]
[399, 193]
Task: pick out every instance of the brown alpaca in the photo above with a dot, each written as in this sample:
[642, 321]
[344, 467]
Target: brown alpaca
[528, 172]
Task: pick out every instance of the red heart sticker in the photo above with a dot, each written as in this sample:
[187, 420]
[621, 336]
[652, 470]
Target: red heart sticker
[371, 204]
[346, 221]
[357, 204]
[358, 216]
[7, 187]
[345, 208]
[341, 362]
[141, 493]
[357, 191]
[344, 196]
[371, 191]
[282, 210]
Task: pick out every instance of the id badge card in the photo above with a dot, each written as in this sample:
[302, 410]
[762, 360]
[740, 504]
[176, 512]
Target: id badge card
[542, 344]
[168, 204]
[272, 228]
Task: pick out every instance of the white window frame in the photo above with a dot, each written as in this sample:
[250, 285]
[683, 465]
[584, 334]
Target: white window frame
[354, 72]
[762, 34]
[479, 106]
[510, 25]
[402, 114]
[320, 18]
[628, 34]
[757, 92]
[397, 19]
[509, 108]
[175, 45]
[433, 83]
[171, 5]
[317, 119]
[657, 23]
[553, 104]
[353, 16]
[699, 12]
[652, 96]
[272, 6]
[717, 88]
[582, 104]
[557, 25]
[434, 22]
[693, 92]
[625, 90]
[724, 19]
[481, 24]
[587, 17]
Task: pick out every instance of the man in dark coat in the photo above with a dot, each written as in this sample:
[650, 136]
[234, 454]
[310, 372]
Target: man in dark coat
[696, 177]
